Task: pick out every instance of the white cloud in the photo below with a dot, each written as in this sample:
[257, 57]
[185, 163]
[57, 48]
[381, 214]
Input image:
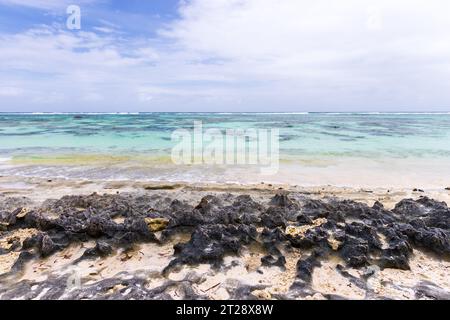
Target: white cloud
[361, 52]
[104, 29]
[10, 91]
[254, 54]
[290, 37]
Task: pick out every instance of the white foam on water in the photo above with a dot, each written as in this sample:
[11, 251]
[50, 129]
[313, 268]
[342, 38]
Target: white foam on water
[67, 113]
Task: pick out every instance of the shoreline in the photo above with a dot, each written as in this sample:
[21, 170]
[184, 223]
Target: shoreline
[307, 171]
[41, 189]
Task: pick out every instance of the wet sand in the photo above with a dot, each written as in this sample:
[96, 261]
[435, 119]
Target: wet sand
[39, 189]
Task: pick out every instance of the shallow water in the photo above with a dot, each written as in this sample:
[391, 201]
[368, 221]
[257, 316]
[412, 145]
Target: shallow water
[315, 148]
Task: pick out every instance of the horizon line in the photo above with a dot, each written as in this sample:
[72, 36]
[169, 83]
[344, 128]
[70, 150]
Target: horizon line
[217, 112]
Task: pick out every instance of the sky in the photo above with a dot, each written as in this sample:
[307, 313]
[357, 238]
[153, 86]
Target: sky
[225, 56]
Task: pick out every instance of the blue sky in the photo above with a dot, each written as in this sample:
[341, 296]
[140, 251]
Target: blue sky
[225, 55]
[136, 18]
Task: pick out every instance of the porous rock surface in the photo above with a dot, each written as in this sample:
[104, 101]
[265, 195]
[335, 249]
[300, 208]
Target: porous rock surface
[219, 226]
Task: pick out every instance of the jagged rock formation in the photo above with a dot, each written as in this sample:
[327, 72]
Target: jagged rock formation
[220, 226]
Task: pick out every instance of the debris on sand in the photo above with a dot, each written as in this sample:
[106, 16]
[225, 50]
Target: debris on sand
[138, 246]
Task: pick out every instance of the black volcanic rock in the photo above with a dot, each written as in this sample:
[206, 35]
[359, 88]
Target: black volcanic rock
[281, 200]
[209, 244]
[221, 225]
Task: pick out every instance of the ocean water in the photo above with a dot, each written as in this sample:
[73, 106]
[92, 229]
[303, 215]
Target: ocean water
[315, 148]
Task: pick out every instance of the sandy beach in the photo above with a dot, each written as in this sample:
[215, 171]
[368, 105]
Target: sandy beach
[276, 241]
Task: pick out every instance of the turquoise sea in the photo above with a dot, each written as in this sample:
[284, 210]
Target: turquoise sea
[138, 146]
